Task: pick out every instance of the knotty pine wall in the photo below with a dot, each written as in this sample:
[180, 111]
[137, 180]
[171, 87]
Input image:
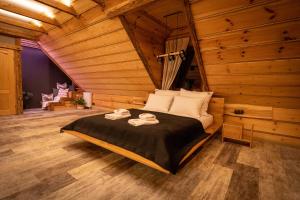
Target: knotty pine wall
[150, 37]
[98, 56]
[251, 55]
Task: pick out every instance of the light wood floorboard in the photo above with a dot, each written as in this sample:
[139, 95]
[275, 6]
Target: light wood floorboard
[38, 162]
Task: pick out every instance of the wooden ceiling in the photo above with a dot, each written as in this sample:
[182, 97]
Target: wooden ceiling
[168, 12]
[16, 26]
[79, 16]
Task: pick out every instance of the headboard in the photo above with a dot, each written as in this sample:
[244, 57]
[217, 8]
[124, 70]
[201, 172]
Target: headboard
[216, 106]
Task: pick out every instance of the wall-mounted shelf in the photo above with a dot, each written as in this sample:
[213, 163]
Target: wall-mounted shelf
[247, 116]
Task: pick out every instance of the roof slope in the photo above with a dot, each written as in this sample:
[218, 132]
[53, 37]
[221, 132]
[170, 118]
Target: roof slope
[98, 55]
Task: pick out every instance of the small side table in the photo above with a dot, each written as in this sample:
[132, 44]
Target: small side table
[236, 131]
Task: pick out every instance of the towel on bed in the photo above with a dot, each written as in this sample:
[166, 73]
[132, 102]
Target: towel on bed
[114, 116]
[118, 114]
[122, 111]
[147, 116]
[144, 119]
[139, 122]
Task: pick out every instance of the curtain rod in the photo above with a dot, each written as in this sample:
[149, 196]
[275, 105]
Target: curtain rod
[170, 54]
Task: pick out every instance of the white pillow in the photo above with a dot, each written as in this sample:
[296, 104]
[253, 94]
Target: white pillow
[56, 99]
[63, 92]
[158, 103]
[167, 92]
[47, 97]
[203, 95]
[186, 106]
[61, 85]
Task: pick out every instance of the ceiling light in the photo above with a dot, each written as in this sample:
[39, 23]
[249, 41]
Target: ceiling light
[34, 6]
[20, 17]
[49, 14]
[66, 2]
[37, 23]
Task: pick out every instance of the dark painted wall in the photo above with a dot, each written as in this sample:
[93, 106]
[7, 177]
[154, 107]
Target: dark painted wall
[40, 75]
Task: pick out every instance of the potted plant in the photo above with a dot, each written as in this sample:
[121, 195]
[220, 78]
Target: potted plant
[80, 103]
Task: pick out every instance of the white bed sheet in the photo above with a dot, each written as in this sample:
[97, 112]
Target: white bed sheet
[206, 120]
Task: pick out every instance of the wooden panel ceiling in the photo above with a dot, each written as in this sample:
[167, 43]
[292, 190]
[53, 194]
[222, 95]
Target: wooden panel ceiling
[88, 46]
[97, 54]
[161, 9]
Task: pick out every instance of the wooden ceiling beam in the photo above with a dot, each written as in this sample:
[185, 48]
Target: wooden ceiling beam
[27, 13]
[157, 21]
[125, 6]
[192, 31]
[138, 49]
[59, 6]
[15, 22]
[16, 33]
[100, 2]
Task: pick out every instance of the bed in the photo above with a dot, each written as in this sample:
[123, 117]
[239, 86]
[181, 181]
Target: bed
[164, 146]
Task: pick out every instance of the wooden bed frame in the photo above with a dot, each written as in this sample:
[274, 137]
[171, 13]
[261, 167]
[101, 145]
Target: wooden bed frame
[216, 108]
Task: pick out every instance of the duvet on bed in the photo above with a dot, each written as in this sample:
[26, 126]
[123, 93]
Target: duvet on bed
[165, 143]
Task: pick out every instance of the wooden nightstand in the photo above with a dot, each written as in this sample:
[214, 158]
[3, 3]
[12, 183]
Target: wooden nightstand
[236, 131]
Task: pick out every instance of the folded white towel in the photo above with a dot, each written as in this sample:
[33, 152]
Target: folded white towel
[139, 122]
[122, 111]
[114, 116]
[147, 116]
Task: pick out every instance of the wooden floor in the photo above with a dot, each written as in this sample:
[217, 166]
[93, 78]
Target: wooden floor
[37, 162]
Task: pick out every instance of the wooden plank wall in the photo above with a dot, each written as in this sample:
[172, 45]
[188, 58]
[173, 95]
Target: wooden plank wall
[97, 54]
[149, 36]
[251, 54]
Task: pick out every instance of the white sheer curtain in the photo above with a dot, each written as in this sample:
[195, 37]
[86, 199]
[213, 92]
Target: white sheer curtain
[171, 67]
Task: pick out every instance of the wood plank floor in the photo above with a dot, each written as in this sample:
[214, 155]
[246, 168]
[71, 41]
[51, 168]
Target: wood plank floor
[37, 162]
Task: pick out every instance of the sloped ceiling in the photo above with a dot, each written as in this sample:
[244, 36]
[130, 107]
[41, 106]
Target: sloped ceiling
[250, 49]
[97, 54]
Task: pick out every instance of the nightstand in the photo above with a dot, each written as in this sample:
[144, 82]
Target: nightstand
[236, 131]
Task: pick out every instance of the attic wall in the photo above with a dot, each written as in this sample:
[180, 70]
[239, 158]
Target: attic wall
[150, 39]
[39, 75]
[98, 56]
[251, 54]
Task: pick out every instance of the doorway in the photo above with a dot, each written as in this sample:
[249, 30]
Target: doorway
[40, 75]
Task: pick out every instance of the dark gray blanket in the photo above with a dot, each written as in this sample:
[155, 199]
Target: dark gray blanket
[165, 143]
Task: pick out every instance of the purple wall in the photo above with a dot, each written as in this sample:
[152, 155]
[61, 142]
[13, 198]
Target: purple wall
[40, 75]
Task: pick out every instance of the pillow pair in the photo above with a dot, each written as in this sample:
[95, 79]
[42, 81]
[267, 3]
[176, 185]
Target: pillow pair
[177, 105]
[183, 102]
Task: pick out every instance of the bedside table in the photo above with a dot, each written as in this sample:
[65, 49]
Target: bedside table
[236, 131]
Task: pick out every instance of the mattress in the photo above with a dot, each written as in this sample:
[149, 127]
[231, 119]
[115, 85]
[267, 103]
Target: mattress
[165, 143]
[206, 120]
